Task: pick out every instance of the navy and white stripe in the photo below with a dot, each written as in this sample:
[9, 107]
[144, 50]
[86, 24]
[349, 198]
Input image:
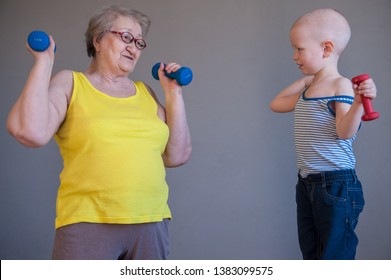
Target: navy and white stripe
[318, 147]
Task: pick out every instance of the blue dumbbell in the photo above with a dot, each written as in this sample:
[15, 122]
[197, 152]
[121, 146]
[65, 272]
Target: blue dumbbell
[39, 41]
[183, 75]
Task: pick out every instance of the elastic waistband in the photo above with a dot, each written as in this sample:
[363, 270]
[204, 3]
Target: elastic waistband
[338, 175]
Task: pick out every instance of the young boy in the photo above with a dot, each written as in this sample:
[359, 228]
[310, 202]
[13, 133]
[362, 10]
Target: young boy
[328, 112]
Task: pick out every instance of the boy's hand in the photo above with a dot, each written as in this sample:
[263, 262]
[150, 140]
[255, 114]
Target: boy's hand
[366, 88]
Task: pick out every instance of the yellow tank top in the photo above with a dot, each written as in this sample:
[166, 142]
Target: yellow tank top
[112, 151]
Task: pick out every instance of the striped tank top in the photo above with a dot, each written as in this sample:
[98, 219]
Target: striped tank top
[318, 147]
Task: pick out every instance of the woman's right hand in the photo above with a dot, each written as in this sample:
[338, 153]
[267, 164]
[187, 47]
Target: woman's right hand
[46, 54]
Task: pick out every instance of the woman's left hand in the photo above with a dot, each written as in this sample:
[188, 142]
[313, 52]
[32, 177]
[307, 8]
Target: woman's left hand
[169, 85]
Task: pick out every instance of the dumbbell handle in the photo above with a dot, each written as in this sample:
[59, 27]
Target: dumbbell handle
[183, 75]
[369, 114]
[39, 41]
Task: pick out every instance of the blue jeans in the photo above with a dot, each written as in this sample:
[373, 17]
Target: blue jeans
[328, 207]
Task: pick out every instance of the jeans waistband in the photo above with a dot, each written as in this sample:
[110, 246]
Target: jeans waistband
[347, 174]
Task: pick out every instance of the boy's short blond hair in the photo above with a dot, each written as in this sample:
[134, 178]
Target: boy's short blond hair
[327, 25]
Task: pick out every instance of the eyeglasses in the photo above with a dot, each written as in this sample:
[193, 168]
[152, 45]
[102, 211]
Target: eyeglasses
[129, 38]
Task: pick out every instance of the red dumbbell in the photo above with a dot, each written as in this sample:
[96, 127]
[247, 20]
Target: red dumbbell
[369, 114]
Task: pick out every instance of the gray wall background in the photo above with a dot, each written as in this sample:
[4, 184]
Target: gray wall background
[235, 198]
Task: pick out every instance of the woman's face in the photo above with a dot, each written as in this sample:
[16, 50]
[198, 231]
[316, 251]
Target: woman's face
[118, 56]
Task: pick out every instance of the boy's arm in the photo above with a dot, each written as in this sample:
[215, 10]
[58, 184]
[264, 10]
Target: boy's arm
[348, 117]
[286, 100]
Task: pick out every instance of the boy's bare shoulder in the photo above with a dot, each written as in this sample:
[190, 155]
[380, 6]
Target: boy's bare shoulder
[343, 86]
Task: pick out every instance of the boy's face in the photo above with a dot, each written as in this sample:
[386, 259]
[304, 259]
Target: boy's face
[307, 51]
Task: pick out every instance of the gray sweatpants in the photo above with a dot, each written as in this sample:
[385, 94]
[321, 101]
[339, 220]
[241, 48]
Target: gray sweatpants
[92, 241]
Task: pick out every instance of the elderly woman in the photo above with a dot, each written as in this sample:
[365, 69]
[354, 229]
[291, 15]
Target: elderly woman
[115, 139]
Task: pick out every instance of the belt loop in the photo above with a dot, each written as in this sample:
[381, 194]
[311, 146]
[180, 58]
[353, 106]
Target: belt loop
[354, 175]
[323, 176]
